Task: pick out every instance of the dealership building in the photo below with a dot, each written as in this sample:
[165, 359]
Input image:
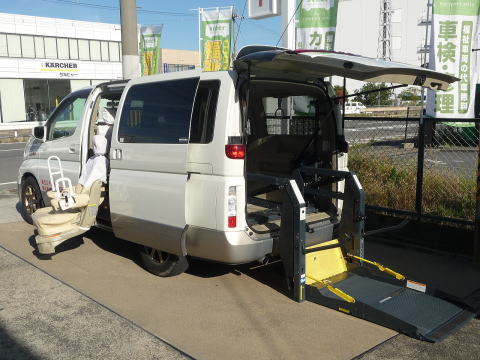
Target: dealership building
[43, 59]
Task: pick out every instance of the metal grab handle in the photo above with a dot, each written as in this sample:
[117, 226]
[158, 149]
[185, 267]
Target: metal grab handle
[380, 267]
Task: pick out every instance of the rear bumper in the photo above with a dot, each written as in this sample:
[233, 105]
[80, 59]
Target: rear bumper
[232, 247]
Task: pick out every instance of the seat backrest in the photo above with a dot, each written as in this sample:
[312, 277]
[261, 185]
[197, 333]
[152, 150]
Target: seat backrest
[89, 213]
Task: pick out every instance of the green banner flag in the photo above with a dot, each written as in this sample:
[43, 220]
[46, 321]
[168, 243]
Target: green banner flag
[317, 23]
[454, 35]
[150, 49]
[215, 38]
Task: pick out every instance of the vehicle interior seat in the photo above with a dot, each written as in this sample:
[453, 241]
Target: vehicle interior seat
[54, 225]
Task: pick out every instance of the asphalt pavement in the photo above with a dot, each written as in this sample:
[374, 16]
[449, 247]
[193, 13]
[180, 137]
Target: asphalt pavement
[11, 157]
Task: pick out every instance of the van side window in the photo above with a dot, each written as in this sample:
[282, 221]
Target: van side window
[67, 117]
[158, 112]
[204, 110]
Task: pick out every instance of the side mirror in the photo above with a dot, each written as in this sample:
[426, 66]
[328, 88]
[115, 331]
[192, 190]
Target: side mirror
[39, 133]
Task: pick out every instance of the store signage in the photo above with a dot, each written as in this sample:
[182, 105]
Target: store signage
[317, 24]
[260, 9]
[64, 69]
[150, 49]
[216, 38]
[455, 29]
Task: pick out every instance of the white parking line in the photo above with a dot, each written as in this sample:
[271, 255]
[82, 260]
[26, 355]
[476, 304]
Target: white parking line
[13, 150]
[8, 183]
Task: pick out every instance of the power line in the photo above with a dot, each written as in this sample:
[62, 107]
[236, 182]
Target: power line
[110, 7]
[255, 23]
[289, 21]
[240, 25]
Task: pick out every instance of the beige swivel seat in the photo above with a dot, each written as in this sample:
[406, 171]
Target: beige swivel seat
[54, 225]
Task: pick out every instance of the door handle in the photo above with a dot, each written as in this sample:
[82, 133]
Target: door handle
[117, 154]
[73, 148]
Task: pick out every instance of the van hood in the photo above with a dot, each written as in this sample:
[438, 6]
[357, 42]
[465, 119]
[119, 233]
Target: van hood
[309, 65]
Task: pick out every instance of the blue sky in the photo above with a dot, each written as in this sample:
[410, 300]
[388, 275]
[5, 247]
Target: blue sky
[179, 32]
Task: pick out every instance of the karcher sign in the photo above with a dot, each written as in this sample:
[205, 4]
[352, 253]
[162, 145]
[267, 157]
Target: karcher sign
[59, 65]
[63, 69]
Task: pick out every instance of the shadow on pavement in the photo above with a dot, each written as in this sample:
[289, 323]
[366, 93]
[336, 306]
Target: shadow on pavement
[454, 275]
[270, 275]
[11, 349]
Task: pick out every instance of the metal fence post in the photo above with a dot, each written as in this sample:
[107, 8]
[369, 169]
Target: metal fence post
[420, 163]
[476, 243]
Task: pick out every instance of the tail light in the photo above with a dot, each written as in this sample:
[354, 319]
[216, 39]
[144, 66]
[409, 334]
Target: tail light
[232, 207]
[235, 151]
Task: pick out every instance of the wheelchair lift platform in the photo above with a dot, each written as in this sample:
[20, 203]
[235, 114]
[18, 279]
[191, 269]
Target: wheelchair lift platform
[335, 273]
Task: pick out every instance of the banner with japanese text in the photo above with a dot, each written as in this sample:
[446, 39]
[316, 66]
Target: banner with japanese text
[150, 49]
[316, 24]
[454, 35]
[215, 38]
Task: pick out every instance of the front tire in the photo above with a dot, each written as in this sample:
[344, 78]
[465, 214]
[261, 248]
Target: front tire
[161, 263]
[31, 197]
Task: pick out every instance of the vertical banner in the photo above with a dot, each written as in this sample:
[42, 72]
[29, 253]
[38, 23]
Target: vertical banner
[215, 38]
[317, 23]
[454, 35]
[150, 49]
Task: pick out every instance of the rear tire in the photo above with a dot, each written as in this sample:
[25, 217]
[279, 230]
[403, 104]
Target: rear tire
[31, 197]
[161, 263]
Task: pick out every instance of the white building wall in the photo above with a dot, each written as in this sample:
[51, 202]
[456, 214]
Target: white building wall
[32, 47]
[78, 84]
[12, 100]
[358, 28]
[36, 25]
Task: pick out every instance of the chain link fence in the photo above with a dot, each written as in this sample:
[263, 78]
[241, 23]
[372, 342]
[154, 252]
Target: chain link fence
[425, 169]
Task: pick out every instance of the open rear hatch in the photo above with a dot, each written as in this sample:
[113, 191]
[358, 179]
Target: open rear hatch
[310, 65]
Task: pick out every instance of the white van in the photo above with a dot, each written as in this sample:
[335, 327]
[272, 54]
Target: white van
[185, 143]
[354, 107]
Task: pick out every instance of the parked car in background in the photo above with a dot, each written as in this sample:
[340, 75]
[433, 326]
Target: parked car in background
[354, 108]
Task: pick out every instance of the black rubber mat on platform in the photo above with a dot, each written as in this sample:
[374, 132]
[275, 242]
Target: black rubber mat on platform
[425, 312]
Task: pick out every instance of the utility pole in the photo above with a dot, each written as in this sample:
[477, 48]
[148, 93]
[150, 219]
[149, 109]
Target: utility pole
[288, 23]
[128, 23]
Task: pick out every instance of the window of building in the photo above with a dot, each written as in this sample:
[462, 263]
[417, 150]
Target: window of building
[177, 67]
[204, 111]
[95, 50]
[104, 50]
[114, 51]
[50, 47]
[39, 47]
[73, 47]
[62, 46]
[67, 117]
[158, 112]
[83, 50]
[3, 45]
[42, 96]
[28, 46]
[13, 43]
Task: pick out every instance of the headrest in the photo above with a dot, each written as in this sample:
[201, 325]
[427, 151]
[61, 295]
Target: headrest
[108, 116]
[99, 145]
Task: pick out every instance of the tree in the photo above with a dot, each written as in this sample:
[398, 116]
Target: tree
[374, 98]
[411, 94]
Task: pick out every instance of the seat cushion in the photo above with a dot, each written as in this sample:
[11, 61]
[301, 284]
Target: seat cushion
[49, 221]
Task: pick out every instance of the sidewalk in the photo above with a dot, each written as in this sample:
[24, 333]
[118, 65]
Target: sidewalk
[42, 318]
